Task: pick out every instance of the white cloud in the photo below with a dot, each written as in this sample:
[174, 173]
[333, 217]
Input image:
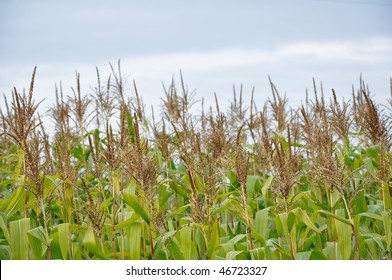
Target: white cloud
[211, 70]
[372, 50]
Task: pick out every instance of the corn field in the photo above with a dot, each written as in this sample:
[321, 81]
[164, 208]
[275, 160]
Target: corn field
[248, 182]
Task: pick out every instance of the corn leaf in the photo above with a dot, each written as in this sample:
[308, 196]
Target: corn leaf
[232, 255]
[175, 250]
[303, 217]
[344, 235]
[331, 251]
[386, 216]
[49, 185]
[127, 222]
[261, 223]
[5, 252]
[14, 203]
[105, 203]
[281, 225]
[266, 185]
[19, 240]
[134, 236]
[337, 217]
[37, 242]
[372, 216]
[235, 208]
[258, 253]
[63, 230]
[186, 242]
[201, 244]
[310, 255]
[286, 254]
[90, 243]
[375, 247]
[213, 241]
[3, 226]
[237, 238]
[132, 201]
[252, 185]
[303, 255]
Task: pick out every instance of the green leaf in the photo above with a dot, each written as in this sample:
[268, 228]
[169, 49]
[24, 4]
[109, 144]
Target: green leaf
[284, 252]
[331, 251]
[175, 250]
[368, 162]
[63, 230]
[258, 253]
[180, 210]
[132, 201]
[387, 196]
[371, 215]
[296, 197]
[264, 188]
[310, 255]
[335, 197]
[375, 247]
[232, 255]
[291, 221]
[344, 234]
[105, 203]
[164, 195]
[227, 247]
[252, 185]
[339, 218]
[89, 238]
[18, 167]
[213, 241]
[68, 197]
[49, 185]
[235, 208]
[317, 255]
[116, 184]
[134, 236]
[19, 240]
[186, 242]
[224, 195]
[303, 217]
[127, 222]
[5, 252]
[237, 238]
[360, 204]
[303, 255]
[386, 217]
[3, 226]
[55, 246]
[14, 203]
[281, 225]
[201, 243]
[91, 244]
[37, 242]
[261, 223]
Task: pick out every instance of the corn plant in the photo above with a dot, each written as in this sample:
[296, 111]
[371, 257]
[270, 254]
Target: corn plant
[276, 183]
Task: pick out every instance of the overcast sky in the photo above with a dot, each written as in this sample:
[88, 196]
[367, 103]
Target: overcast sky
[216, 44]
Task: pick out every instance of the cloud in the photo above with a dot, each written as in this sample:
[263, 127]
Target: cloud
[367, 51]
[334, 62]
[371, 50]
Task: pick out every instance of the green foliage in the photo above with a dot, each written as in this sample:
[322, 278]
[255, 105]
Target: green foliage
[313, 183]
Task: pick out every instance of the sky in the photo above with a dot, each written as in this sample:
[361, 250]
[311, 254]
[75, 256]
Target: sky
[217, 45]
